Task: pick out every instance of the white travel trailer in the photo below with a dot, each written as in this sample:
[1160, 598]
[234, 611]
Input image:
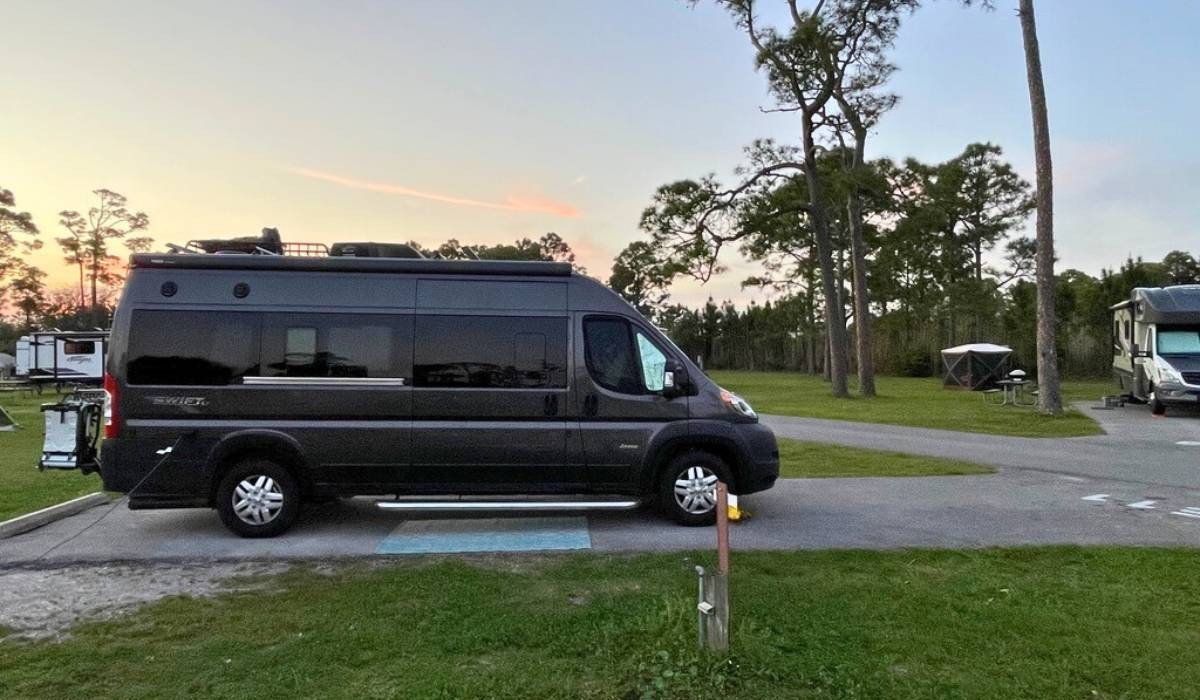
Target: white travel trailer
[59, 357]
[1156, 346]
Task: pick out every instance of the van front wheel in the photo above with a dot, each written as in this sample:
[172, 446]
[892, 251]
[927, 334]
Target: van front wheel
[688, 488]
[258, 498]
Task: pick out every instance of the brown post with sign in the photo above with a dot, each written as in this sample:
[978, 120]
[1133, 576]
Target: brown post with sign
[714, 587]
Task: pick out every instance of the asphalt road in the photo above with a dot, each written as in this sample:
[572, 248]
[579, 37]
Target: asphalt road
[1076, 490]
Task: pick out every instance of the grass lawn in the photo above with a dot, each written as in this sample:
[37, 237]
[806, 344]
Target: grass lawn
[801, 459]
[24, 489]
[1017, 623]
[916, 402]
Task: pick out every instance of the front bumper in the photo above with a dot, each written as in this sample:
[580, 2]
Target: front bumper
[1172, 392]
[760, 466]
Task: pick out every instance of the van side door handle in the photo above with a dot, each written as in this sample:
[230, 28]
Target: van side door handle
[550, 405]
[591, 405]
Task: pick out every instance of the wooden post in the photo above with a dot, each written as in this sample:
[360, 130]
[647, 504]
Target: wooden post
[718, 622]
[722, 529]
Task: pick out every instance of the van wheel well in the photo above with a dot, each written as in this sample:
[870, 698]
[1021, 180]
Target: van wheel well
[282, 457]
[724, 452]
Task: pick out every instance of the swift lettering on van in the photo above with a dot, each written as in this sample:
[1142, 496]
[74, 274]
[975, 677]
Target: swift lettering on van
[185, 401]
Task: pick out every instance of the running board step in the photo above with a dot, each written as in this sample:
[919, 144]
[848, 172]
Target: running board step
[488, 505]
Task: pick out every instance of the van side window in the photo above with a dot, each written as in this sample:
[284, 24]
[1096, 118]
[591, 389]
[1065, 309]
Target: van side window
[490, 352]
[654, 363]
[192, 348]
[335, 345]
[611, 358]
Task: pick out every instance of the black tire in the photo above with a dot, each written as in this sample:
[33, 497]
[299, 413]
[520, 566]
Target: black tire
[271, 483]
[683, 468]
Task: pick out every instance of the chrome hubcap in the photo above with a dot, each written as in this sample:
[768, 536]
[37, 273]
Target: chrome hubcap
[257, 500]
[696, 490]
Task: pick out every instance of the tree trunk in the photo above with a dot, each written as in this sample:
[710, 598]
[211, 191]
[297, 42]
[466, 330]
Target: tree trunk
[95, 274]
[1049, 391]
[82, 298]
[835, 320]
[862, 299]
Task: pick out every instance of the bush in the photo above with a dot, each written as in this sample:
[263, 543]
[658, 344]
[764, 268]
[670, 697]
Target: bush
[914, 363]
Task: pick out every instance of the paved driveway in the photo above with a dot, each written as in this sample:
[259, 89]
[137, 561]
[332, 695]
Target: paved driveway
[1136, 485]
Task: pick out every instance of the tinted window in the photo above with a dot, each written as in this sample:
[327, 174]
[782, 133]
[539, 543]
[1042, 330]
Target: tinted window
[335, 345]
[192, 348]
[79, 347]
[611, 358]
[498, 352]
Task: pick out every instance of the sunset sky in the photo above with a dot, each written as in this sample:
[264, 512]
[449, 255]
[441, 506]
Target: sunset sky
[489, 121]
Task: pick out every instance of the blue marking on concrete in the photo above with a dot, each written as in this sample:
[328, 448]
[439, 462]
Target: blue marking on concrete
[487, 535]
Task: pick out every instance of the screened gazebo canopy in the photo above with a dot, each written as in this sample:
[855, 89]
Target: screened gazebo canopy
[975, 366]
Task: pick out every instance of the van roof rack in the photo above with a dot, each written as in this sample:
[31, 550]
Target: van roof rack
[351, 264]
[270, 252]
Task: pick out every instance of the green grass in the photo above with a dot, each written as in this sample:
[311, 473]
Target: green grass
[800, 459]
[24, 489]
[921, 403]
[1017, 623]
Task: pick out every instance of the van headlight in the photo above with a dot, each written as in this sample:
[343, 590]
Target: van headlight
[737, 404]
[1167, 372]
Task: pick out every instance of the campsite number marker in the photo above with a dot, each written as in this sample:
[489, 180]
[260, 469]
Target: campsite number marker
[1096, 498]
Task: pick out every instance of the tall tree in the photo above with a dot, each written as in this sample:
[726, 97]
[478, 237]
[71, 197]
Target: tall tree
[802, 78]
[17, 232]
[88, 244]
[861, 102]
[1049, 391]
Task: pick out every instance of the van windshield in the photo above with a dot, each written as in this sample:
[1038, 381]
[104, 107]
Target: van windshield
[1179, 342]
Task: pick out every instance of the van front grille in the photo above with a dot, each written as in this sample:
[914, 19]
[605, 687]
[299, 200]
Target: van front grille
[1191, 377]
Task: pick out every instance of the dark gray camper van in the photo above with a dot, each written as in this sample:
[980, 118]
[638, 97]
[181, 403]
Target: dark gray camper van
[251, 383]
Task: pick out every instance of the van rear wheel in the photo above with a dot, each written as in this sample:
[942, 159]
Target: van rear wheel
[687, 490]
[258, 498]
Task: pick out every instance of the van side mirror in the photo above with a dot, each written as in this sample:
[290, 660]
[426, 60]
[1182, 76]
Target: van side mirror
[674, 380]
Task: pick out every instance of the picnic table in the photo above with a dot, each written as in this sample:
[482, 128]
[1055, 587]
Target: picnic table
[1014, 391]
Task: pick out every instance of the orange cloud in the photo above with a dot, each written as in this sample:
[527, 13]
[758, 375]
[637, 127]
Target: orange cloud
[516, 203]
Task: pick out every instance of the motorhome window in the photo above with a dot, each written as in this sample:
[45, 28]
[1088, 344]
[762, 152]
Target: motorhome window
[192, 348]
[1179, 342]
[79, 347]
[611, 358]
[335, 345]
[490, 352]
[654, 363]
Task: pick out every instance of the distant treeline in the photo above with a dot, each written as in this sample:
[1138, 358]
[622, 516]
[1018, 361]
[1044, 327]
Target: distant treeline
[783, 335]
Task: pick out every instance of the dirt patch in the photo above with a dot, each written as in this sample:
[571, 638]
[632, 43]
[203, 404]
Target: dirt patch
[46, 603]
